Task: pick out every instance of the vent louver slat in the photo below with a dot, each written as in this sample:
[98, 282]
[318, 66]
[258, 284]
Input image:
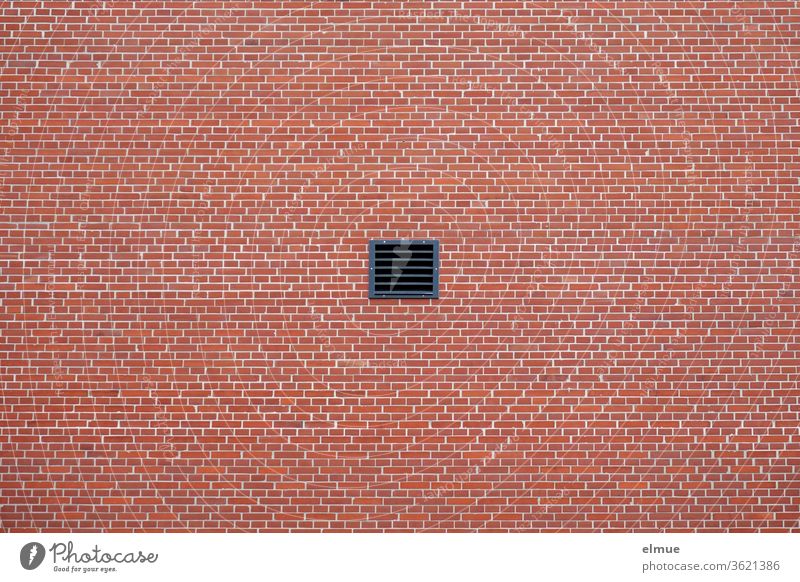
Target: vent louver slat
[404, 269]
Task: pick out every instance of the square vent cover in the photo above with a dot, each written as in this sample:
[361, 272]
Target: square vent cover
[403, 269]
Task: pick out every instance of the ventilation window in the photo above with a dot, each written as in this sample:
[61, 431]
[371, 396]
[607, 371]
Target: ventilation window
[403, 268]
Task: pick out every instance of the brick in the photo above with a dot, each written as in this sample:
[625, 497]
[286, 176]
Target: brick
[186, 198]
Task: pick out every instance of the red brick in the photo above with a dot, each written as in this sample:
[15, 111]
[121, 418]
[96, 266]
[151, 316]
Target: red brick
[186, 198]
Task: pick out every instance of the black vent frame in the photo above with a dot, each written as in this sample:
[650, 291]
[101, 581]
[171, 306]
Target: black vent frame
[418, 277]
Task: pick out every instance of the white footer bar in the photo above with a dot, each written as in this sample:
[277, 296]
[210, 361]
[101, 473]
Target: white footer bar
[396, 557]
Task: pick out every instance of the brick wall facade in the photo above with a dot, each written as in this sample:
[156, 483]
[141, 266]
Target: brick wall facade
[187, 191]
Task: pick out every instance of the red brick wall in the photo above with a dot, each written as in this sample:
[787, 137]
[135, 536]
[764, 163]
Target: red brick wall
[186, 195]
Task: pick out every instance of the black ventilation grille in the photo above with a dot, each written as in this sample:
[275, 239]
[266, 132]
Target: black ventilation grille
[403, 268]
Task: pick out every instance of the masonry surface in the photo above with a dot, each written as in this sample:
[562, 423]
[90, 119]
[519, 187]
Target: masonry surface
[187, 193]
